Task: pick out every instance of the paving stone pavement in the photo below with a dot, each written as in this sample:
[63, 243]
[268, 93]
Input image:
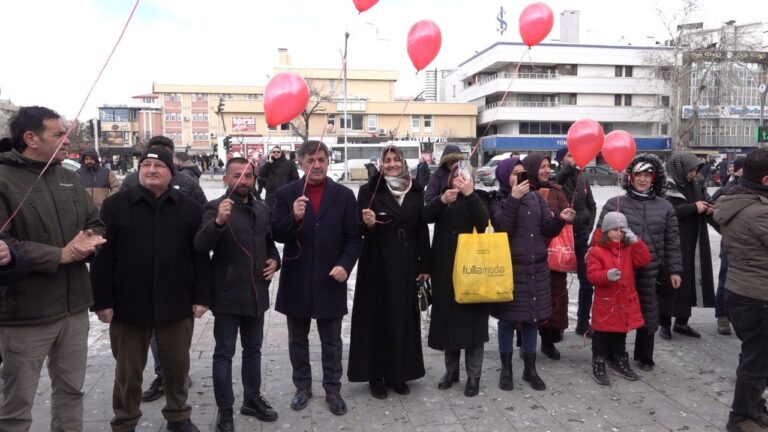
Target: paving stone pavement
[690, 390]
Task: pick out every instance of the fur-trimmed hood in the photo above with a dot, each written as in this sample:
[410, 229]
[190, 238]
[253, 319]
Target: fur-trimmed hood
[659, 183]
[451, 155]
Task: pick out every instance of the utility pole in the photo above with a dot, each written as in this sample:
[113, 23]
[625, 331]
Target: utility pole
[344, 71]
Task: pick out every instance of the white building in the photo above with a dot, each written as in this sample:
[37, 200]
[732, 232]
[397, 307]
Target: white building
[557, 85]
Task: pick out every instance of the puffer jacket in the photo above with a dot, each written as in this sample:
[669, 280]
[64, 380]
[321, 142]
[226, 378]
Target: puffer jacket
[616, 307]
[55, 211]
[743, 218]
[99, 182]
[654, 221]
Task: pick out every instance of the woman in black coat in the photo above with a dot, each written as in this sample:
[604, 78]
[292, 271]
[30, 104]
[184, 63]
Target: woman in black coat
[455, 326]
[385, 345]
[525, 215]
[693, 209]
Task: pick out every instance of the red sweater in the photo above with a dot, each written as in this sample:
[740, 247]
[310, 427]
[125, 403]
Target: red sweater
[315, 194]
[616, 307]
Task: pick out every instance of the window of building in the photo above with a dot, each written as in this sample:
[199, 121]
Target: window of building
[428, 123]
[173, 97]
[607, 127]
[544, 128]
[331, 121]
[567, 98]
[352, 121]
[665, 101]
[617, 71]
[617, 100]
[415, 123]
[200, 97]
[107, 114]
[622, 71]
[627, 100]
[664, 129]
[628, 71]
[373, 123]
[568, 69]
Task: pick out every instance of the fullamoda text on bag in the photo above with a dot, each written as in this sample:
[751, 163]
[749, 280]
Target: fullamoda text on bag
[479, 270]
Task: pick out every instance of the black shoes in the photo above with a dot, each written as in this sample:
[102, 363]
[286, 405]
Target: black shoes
[336, 404]
[645, 366]
[584, 330]
[301, 399]
[224, 421]
[529, 372]
[505, 377]
[182, 426]
[686, 330]
[620, 365]
[155, 390]
[259, 408]
[378, 389]
[664, 333]
[723, 326]
[549, 350]
[473, 387]
[401, 388]
[448, 379]
[598, 371]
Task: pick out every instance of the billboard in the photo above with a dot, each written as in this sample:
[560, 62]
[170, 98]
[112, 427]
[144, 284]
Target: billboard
[722, 111]
[243, 124]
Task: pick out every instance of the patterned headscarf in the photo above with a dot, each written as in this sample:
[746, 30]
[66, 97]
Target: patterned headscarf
[680, 164]
[401, 184]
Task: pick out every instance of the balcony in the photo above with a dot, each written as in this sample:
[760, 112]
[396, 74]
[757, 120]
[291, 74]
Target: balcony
[520, 75]
[555, 112]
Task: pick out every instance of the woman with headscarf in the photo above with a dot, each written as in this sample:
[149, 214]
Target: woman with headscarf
[694, 208]
[385, 346]
[551, 330]
[653, 219]
[528, 221]
[439, 180]
[453, 326]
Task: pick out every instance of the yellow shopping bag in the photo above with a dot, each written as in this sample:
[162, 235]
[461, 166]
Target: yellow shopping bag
[482, 270]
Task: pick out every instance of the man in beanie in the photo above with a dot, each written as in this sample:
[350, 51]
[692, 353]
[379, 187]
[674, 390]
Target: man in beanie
[149, 279]
[579, 195]
[743, 217]
[723, 325]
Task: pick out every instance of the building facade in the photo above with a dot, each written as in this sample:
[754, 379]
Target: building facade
[529, 104]
[125, 128]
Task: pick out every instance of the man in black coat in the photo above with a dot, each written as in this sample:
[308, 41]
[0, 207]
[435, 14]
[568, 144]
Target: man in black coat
[318, 221]
[277, 172]
[149, 277]
[579, 194]
[236, 228]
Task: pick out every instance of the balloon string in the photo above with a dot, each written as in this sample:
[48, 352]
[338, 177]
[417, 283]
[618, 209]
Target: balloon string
[71, 127]
[500, 103]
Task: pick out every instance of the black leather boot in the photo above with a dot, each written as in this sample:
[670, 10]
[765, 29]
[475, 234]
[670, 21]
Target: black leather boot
[505, 377]
[473, 387]
[529, 372]
[448, 379]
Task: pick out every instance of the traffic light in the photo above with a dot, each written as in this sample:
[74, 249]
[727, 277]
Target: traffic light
[762, 134]
[227, 142]
[220, 108]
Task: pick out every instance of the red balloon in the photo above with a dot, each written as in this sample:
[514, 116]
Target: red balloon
[619, 149]
[364, 5]
[424, 40]
[584, 140]
[535, 23]
[285, 98]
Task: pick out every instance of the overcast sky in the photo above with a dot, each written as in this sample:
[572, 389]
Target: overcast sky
[51, 51]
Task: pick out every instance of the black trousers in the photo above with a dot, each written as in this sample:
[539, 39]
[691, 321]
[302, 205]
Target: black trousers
[605, 344]
[331, 346]
[585, 287]
[473, 360]
[749, 318]
[644, 342]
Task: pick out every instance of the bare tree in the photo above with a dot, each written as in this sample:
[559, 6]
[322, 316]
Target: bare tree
[81, 136]
[317, 99]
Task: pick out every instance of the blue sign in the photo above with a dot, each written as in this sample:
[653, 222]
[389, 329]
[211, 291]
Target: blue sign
[553, 143]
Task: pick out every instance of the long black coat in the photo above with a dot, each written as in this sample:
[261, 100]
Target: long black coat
[240, 248]
[697, 288]
[386, 332]
[276, 174]
[583, 201]
[529, 225]
[312, 248]
[454, 325]
[149, 269]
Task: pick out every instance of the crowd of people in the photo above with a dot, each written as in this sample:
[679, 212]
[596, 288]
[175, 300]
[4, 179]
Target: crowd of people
[162, 255]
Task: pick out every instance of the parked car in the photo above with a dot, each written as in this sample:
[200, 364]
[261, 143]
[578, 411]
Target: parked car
[486, 174]
[70, 164]
[601, 175]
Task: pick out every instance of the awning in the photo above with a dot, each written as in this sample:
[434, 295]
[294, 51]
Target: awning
[553, 143]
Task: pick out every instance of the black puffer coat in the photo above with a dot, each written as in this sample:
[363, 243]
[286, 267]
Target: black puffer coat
[583, 202]
[653, 219]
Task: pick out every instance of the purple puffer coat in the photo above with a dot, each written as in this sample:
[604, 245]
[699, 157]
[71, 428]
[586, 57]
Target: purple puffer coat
[529, 225]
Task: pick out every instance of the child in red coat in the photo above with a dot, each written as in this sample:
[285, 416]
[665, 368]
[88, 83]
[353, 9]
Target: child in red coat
[611, 265]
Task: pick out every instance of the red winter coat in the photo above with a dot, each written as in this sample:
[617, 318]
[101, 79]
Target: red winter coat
[616, 308]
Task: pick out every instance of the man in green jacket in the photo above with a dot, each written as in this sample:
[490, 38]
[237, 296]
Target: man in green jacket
[45, 314]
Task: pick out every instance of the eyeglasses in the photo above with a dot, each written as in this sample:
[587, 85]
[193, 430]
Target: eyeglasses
[276, 151]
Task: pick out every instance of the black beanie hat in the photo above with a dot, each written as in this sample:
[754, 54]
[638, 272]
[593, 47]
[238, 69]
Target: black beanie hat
[160, 153]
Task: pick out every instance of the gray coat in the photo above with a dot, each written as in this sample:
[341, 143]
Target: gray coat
[529, 225]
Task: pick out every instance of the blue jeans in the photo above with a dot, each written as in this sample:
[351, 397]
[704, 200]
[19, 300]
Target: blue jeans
[506, 331]
[721, 277]
[749, 318]
[225, 329]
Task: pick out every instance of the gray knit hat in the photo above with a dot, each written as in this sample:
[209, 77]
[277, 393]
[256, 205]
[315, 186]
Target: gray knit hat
[614, 220]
